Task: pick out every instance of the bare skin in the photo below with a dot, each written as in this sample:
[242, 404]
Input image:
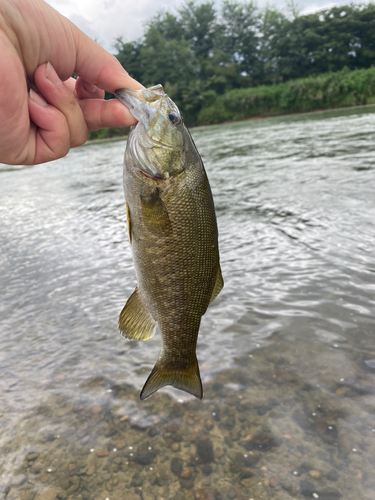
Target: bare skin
[43, 111]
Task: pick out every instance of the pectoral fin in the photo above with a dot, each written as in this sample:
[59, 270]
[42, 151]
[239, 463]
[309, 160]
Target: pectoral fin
[219, 283]
[135, 321]
[154, 211]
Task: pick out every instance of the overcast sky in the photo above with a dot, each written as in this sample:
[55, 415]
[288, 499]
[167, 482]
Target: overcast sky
[104, 20]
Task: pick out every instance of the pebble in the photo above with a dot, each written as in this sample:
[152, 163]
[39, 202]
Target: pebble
[26, 495]
[172, 428]
[90, 470]
[176, 465]
[332, 475]
[291, 487]
[273, 481]
[341, 391]
[121, 444]
[370, 363]
[207, 469]
[137, 480]
[329, 494]
[208, 425]
[307, 488]
[64, 410]
[237, 461]
[205, 450]
[101, 452]
[50, 494]
[30, 457]
[144, 455]
[204, 494]
[19, 480]
[314, 473]
[245, 473]
[251, 458]
[262, 441]
[186, 472]
[132, 496]
[73, 487]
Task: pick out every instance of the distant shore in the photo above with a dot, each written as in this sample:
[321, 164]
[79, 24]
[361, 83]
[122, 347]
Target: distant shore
[196, 127]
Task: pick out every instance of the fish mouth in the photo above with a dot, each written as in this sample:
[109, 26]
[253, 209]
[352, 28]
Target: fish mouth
[150, 106]
[139, 102]
[141, 105]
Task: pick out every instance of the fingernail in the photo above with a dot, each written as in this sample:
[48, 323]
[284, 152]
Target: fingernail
[89, 87]
[37, 98]
[52, 76]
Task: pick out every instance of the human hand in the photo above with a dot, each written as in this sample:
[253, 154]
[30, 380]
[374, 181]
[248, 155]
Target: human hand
[39, 50]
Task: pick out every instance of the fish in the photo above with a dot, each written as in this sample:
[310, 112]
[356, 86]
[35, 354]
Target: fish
[173, 234]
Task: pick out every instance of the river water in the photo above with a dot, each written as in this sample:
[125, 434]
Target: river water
[287, 350]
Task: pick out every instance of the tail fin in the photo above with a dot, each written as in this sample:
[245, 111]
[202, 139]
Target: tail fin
[187, 379]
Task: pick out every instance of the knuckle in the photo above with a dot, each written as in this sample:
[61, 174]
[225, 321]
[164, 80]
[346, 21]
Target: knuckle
[62, 151]
[72, 101]
[79, 137]
[57, 150]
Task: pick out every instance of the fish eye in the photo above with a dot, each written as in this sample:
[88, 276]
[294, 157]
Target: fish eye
[173, 118]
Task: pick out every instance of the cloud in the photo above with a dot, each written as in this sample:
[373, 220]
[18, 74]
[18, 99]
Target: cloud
[106, 20]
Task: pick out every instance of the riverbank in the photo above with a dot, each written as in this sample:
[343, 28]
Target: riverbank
[327, 91]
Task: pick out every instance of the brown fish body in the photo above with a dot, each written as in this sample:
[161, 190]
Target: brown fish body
[173, 233]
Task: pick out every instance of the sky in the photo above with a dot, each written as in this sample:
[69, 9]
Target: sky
[105, 20]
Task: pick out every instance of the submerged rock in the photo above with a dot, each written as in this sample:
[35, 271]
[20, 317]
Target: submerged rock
[329, 494]
[205, 450]
[176, 465]
[307, 488]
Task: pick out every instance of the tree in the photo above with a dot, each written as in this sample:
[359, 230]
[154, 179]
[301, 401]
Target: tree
[239, 36]
[201, 52]
[129, 56]
[199, 25]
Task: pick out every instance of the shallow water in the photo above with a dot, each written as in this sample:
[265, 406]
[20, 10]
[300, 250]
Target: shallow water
[287, 351]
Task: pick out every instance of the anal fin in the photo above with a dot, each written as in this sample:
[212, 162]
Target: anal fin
[219, 283]
[135, 321]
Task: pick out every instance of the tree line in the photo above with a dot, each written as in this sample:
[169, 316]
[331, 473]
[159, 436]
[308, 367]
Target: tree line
[202, 52]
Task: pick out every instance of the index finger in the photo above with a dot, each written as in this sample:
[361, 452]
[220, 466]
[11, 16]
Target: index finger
[97, 66]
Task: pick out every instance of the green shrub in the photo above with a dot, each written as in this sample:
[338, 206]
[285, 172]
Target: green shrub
[329, 90]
